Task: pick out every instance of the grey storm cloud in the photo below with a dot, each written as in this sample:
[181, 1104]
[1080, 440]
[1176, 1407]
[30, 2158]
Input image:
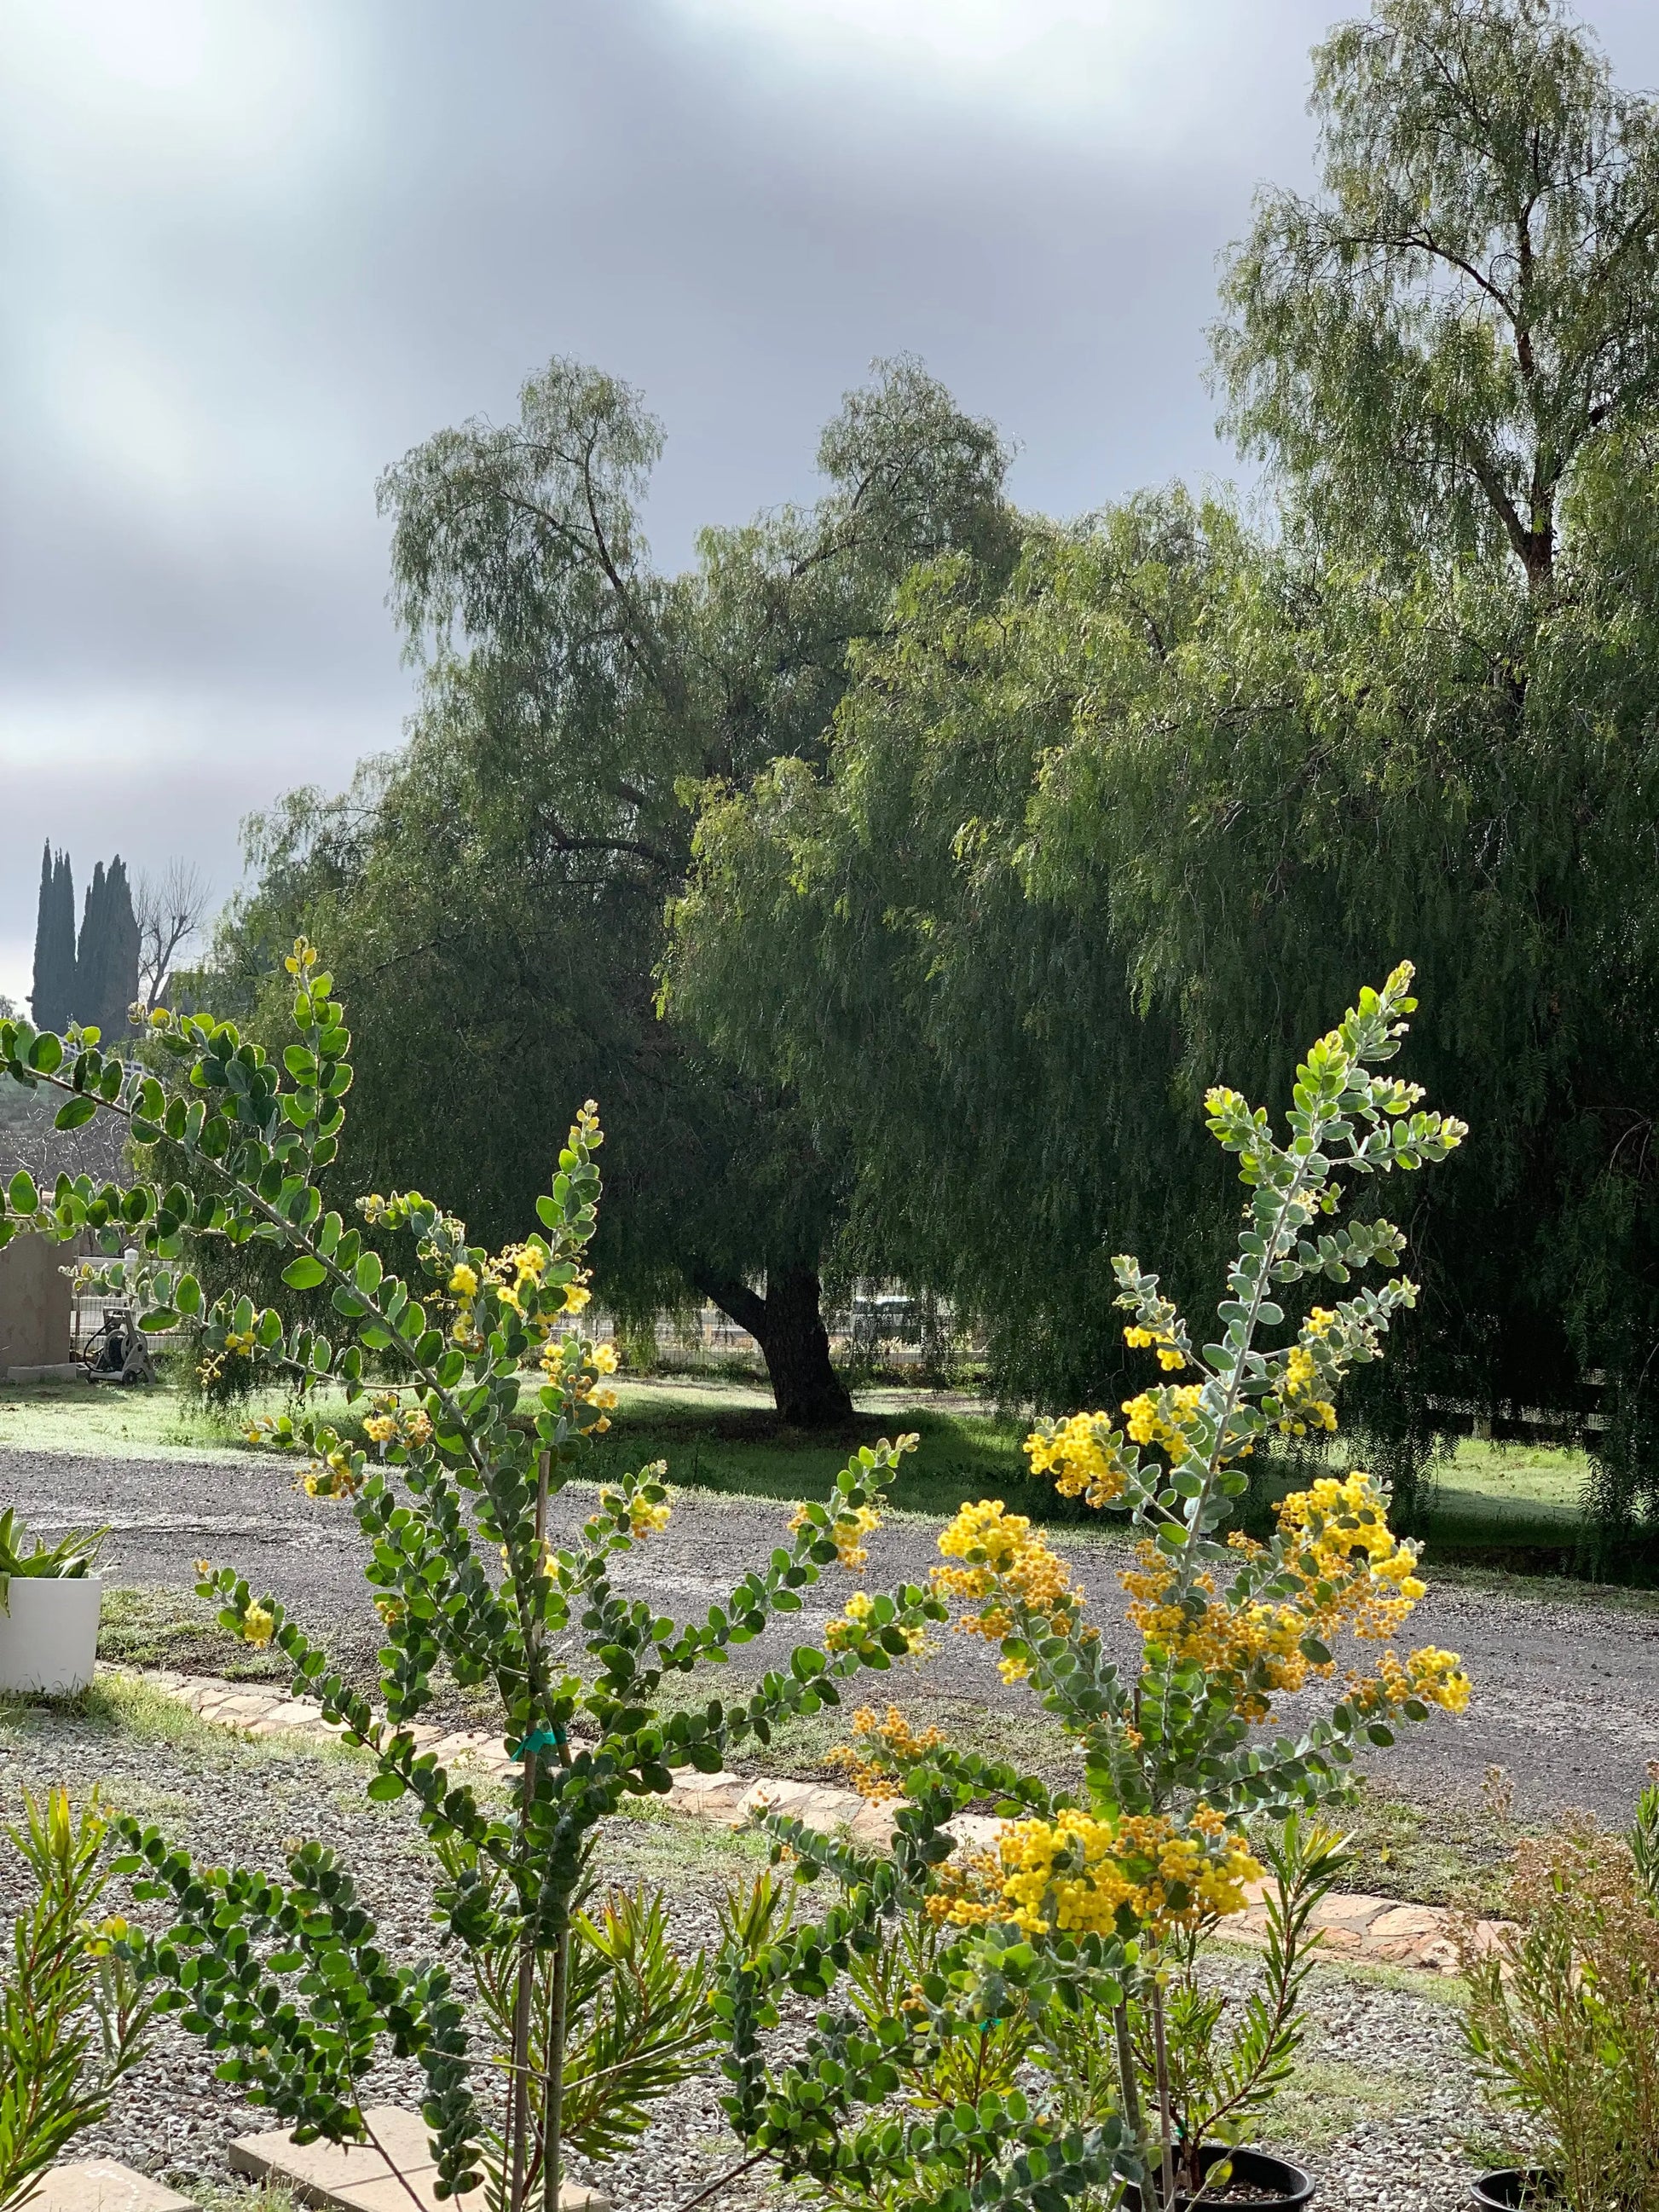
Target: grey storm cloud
[252, 254]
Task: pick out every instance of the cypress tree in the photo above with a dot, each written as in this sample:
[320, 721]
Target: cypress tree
[106, 966]
[51, 1000]
[121, 947]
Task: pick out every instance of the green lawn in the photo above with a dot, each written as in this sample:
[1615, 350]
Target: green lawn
[722, 1436]
[105, 1419]
[1484, 1503]
[715, 1442]
[1499, 1487]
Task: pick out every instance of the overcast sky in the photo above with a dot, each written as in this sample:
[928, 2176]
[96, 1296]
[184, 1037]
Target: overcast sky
[250, 253]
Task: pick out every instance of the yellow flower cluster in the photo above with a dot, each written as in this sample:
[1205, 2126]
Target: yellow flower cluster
[967, 1891]
[1171, 1357]
[518, 1271]
[1083, 1454]
[1347, 1543]
[239, 1343]
[887, 1744]
[1301, 1407]
[335, 1476]
[644, 1519]
[845, 1634]
[101, 1940]
[1077, 1874]
[258, 1624]
[392, 1423]
[1162, 1418]
[1435, 1677]
[848, 1533]
[1004, 1560]
[515, 1275]
[1351, 1574]
[1255, 1648]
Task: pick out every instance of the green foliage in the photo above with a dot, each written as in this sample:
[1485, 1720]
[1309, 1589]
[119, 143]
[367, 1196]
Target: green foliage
[51, 1000]
[872, 938]
[1084, 1925]
[638, 2021]
[1218, 2067]
[70, 1556]
[1144, 818]
[510, 868]
[1431, 349]
[72, 2019]
[910, 2006]
[1564, 2004]
[494, 1396]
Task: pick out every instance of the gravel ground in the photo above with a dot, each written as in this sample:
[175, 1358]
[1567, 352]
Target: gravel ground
[1566, 1678]
[1381, 2107]
[230, 1801]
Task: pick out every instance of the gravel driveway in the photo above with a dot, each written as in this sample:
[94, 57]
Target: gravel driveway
[1566, 1678]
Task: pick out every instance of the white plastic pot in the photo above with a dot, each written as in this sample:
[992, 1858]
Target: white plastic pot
[49, 1633]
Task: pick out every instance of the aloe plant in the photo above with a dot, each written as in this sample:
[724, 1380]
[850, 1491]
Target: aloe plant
[72, 1557]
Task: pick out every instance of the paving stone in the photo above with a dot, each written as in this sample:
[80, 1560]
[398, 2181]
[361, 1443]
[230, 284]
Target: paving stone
[319, 2172]
[244, 1708]
[104, 2184]
[359, 2177]
[826, 1809]
[283, 1719]
[976, 1831]
[776, 1795]
[1439, 1955]
[205, 1696]
[1356, 1924]
[1351, 1942]
[404, 2192]
[1409, 1921]
[1349, 1909]
[467, 1743]
[872, 1826]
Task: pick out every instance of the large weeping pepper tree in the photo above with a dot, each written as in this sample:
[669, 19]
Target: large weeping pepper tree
[485, 1394]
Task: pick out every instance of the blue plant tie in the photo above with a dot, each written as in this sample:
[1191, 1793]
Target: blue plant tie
[553, 1739]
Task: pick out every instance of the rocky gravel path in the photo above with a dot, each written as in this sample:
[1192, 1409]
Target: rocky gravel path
[1566, 1678]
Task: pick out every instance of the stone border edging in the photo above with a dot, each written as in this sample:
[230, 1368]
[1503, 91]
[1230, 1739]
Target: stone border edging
[1354, 1926]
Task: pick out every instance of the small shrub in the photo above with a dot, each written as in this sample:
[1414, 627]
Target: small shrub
[1564, 2004]
[72, 2020]
[1077, 1935]
[478, 1395]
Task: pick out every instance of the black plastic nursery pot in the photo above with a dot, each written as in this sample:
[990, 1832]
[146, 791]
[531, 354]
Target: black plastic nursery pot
[1515, 2188]
[1260, 2183]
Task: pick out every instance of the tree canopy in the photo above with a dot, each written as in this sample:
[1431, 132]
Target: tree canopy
[1087, 844]
[511, 866]
[1429, 348]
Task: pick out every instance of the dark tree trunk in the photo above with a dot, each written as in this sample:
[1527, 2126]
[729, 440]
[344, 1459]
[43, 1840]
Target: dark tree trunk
[788, 1324]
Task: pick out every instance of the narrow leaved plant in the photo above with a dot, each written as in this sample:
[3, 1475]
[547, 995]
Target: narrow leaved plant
[482, 1395]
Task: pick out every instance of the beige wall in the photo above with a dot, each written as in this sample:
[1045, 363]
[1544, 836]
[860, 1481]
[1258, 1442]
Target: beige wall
[34, 1304]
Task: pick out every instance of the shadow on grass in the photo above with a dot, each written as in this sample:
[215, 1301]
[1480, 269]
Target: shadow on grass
[749, 1452]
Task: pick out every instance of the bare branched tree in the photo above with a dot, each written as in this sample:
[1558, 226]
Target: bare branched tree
[170, 909]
